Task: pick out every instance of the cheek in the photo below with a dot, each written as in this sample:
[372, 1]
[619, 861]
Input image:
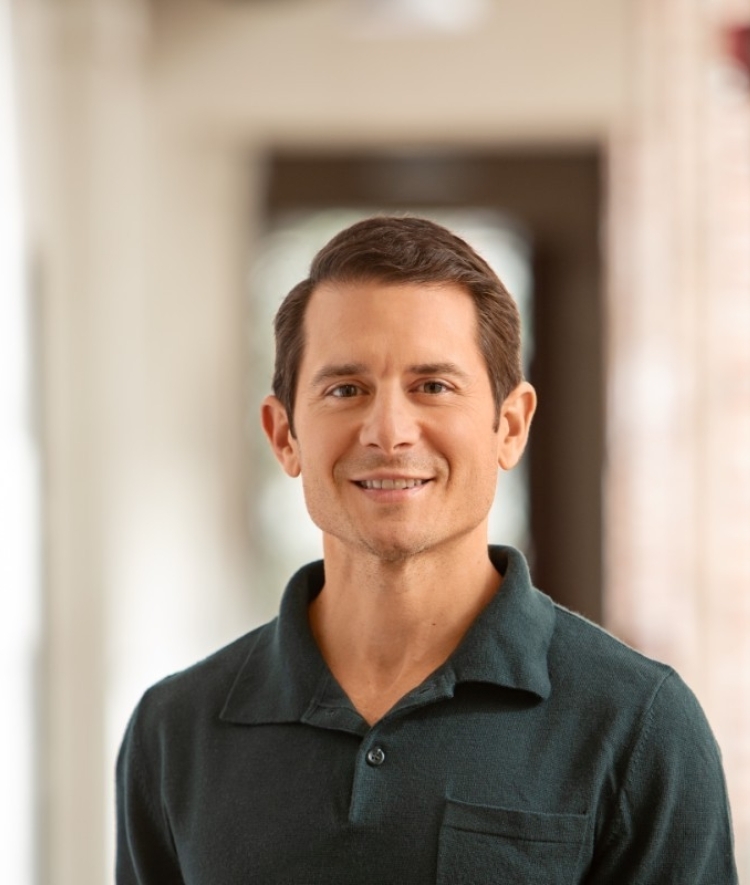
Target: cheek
[316, 462]
[473, 441]
[477, 461]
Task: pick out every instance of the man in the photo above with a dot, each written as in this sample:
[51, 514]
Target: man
[418, 712]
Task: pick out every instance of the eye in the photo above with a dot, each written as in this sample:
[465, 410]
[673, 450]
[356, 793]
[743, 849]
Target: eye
[434, 387]
[344, 391]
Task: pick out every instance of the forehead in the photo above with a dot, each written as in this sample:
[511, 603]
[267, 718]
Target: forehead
[386, 315]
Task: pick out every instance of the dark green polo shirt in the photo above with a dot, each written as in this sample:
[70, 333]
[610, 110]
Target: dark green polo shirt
[543, 752]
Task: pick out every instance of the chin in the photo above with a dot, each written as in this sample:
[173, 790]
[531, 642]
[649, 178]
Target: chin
[395, 550]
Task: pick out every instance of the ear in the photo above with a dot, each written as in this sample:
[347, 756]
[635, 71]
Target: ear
[516, 413]
[275, 423]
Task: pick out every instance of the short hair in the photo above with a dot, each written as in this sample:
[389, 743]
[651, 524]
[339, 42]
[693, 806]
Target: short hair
[405, 250]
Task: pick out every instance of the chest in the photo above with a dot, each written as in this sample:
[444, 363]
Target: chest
[473, 797]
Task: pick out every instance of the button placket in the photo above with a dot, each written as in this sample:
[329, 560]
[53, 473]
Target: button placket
[373, 778]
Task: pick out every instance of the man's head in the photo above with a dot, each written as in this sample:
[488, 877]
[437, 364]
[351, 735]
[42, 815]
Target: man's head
[398, 250]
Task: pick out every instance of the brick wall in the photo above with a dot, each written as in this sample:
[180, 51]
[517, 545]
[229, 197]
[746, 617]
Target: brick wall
[678, 475]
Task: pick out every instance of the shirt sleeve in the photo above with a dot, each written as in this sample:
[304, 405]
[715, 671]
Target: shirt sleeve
[672, 823]
[145, 849]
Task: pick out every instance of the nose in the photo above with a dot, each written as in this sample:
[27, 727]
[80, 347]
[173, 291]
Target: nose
[390, 423]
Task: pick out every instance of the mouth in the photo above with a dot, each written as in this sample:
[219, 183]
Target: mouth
[391, 484]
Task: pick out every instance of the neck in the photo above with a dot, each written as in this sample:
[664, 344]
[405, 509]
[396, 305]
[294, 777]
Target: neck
[383, 627]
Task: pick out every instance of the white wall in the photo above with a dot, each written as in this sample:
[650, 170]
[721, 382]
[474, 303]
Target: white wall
[303, 70]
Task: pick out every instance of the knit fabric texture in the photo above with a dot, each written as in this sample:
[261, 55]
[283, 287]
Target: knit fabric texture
[543, 752]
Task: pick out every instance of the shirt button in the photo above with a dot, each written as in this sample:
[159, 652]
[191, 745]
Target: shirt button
[376, 756]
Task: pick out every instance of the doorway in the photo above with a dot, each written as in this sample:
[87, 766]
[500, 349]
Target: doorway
[553, 199]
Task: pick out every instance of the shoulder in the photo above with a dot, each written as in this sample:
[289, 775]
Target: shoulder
[581, 649]
[613, 682]
[199, 691]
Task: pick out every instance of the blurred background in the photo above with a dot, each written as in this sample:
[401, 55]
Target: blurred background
[168, 168]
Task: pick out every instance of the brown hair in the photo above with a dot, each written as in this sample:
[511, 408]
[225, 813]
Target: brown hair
[403, 250]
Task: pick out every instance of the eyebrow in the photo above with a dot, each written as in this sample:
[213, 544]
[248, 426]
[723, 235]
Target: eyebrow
[445, 368]
[337, 370]
[344, 370]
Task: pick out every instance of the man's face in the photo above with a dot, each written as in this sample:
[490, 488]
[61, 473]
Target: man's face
[395, 420]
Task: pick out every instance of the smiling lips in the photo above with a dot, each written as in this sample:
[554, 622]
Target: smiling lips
[390, 484]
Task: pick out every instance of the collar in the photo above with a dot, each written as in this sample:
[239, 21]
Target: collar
[285, 679]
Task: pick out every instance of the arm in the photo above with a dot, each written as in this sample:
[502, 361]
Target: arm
[145, 849]
[672, 825]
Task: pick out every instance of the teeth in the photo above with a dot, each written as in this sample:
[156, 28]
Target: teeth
[391, 483]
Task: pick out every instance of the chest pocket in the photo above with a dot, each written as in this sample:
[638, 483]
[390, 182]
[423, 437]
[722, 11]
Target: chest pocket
[480, 845]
